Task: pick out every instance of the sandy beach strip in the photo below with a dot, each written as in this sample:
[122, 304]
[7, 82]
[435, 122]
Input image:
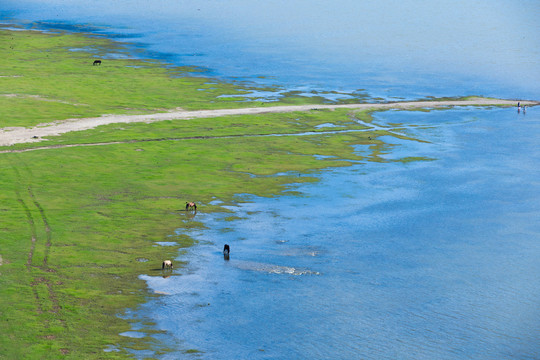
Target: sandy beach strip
[18, 135]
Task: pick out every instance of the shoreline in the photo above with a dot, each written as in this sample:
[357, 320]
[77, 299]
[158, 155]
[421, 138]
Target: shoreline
[20, 135]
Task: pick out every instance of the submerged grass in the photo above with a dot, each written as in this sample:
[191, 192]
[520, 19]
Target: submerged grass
[80, 224]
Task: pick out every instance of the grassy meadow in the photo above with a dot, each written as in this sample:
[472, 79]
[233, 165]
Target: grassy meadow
[80, 224]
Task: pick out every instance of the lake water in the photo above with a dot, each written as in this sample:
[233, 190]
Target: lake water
[421, 260]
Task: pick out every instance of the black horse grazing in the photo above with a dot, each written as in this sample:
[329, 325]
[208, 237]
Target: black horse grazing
[96, 62]
[226, 252]
[191, 205]
[167, 264]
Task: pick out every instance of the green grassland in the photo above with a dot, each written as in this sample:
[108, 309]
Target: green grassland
[80, 224]
[47, 77]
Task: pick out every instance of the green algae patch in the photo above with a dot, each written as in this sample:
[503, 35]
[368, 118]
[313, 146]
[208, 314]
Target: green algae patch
[81, 223]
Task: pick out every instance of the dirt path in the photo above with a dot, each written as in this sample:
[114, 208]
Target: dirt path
[10, 136]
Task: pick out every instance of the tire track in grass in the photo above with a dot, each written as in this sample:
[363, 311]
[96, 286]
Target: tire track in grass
[33, 239]
[41, 211]
[48, 235]
[55, 308]
[38, 280]
[29, 219]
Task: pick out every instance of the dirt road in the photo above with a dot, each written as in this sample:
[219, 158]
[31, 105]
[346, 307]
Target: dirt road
[10, 136]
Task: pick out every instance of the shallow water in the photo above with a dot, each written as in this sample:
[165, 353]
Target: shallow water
[425, 260]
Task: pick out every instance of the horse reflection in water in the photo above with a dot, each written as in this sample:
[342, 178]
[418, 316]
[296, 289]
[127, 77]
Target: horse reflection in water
[226, 252]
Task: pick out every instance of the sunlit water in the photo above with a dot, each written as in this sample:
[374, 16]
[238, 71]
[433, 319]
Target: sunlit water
[421, 260]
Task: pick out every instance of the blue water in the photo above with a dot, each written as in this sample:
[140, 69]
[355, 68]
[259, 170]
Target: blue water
[419, 260]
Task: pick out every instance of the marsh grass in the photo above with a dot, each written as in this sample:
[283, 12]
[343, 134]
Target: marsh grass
[77, 220]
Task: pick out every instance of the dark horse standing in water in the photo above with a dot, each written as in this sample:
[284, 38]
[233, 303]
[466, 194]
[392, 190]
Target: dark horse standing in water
[226, 252]
[97, 62]
[191, 205]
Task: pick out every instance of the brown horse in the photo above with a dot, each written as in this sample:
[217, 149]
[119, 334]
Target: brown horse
[191, 205]
[96, 62]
